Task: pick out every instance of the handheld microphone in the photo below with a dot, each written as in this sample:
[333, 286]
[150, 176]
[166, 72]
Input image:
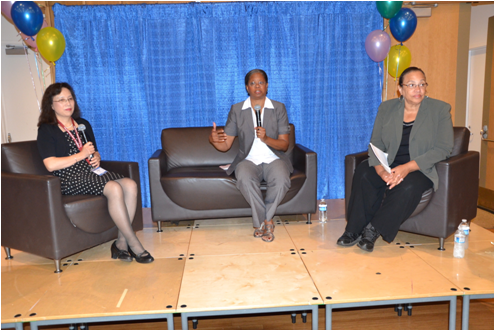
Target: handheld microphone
[81, 128]
[258, 115]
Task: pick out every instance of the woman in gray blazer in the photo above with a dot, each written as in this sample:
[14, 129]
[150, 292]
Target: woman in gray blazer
[263, 129]
[416, 132]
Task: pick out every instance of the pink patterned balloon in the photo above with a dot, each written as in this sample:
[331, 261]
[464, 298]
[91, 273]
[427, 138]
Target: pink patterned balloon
[29, 41]
[6, 7]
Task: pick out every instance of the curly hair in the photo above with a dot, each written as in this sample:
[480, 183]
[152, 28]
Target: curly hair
[47, 115]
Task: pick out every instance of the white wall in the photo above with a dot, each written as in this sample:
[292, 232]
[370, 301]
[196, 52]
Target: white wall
[476, 71]
[19, 103]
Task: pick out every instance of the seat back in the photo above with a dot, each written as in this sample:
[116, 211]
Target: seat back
[190, 147]
[461, 140]
[22, 158]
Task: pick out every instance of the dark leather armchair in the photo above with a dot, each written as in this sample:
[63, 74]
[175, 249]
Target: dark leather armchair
[38, 219]
[186, 182]
[439, 213]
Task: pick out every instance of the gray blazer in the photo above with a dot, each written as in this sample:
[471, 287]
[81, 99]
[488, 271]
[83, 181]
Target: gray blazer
[431, 139]
[240, 123]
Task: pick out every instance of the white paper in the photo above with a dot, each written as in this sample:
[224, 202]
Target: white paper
[99, 171]
[382, 157]
[225, 167]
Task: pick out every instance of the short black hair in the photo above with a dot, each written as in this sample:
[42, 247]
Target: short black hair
[252, 72]
[47, 114]
[408, 70]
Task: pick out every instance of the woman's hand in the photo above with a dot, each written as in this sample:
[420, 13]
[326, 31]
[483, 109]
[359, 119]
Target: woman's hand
[87, 150]
[384, 175]
[95, 160]
[400, 172]
[261, 133]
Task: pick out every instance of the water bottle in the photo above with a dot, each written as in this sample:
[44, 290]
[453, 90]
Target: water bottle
[464, 226]
[459, 240]
[322, 211]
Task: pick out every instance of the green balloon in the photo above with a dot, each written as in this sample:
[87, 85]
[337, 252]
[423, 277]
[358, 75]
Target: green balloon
[388, 9]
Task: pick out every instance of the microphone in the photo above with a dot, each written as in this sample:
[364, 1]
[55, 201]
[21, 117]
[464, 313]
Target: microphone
[258, 115]
[81, 128]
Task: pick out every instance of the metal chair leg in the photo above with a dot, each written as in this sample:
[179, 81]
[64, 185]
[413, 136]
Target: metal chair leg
[442, 241]
[7, 252]
[57, 267]
[195, 324]
[293, 317]
[304, 317]
[159, 226]
[309, 219]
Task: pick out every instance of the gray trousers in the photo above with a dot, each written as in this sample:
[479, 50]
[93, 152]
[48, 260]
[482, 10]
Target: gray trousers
[249, 176]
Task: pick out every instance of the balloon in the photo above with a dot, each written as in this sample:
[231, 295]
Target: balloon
[377, 45]
[401, 55]
[29, 40]
[403, 24]
[6, 8]
[51, 43]
[388, 9]
[27, 16]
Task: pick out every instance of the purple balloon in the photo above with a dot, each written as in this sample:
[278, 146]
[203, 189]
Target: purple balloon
[377, 45]
[6, 7]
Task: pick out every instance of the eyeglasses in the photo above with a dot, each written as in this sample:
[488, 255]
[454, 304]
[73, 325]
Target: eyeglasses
[261, 83]
[63, 101]
[413, 86]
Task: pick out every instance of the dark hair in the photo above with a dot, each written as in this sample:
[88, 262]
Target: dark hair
[47, 115]
[252, 72]
[408, 70]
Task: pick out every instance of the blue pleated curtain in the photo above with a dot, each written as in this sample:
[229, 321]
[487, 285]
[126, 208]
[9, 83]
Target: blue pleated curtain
[137, 69]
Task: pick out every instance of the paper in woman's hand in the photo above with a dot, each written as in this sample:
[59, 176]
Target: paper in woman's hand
[382, 157]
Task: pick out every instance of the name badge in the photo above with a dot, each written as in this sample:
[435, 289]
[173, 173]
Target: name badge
[99, 171]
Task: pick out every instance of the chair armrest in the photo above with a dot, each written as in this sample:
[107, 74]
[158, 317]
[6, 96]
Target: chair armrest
[304, 159]
[130, 170]
[33, 215]
[351, 163]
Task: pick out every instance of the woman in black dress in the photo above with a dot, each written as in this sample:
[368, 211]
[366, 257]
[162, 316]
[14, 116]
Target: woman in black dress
[66, 153]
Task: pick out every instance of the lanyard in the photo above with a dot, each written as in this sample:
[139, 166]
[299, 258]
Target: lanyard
[77, 141]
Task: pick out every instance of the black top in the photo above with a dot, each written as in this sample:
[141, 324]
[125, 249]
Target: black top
[402, 156]
[52, 142]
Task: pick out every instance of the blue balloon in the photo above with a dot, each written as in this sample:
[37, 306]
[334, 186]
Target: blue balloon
[403, 24]
[27, 16]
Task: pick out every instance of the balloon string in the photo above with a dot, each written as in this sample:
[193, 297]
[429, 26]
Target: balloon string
[398, 61]
[385, 28]
[42, 71]
[386, 80]
[380, 75]
[32, 79]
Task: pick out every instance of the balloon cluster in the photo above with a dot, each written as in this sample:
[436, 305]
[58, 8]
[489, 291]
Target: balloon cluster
[403, 22]
[28, 18]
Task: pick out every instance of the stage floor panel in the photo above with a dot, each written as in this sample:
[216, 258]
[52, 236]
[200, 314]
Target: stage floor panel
[23, 286]
[472, 274]
[112, 288]
[233, 239]
[246, 281]
[388, 273]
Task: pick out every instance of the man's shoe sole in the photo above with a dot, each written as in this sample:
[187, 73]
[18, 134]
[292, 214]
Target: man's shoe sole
[350, 244]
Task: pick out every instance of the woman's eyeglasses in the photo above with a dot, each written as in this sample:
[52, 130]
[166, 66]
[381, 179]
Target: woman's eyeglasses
[413, 86]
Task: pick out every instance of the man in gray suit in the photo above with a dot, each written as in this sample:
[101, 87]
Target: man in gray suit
[263, 130]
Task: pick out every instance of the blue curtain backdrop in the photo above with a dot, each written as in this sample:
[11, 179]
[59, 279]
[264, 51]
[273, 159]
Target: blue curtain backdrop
[137, 69]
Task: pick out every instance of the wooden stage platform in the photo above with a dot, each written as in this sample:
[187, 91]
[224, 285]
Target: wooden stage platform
[216, 267]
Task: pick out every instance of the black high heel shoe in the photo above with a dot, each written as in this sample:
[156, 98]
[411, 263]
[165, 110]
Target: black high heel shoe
[119, 254]
[144, 257]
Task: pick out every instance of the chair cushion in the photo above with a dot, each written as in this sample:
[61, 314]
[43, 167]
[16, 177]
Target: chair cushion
[88, 213]
[425, 200]
[209, 188]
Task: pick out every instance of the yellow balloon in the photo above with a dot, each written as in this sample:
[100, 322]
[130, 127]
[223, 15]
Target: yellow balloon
[51, 43]
[400, 55]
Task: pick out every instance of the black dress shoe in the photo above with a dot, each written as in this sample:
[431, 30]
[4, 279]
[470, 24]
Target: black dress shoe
[119, 254]
[348, 239]
[144, 257]
[370, 235]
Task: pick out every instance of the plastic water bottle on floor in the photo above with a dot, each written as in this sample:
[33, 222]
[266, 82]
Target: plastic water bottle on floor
[459, 240]
[322, 211]
[464, 226]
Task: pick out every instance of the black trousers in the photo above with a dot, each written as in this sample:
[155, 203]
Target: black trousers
[367, 203]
